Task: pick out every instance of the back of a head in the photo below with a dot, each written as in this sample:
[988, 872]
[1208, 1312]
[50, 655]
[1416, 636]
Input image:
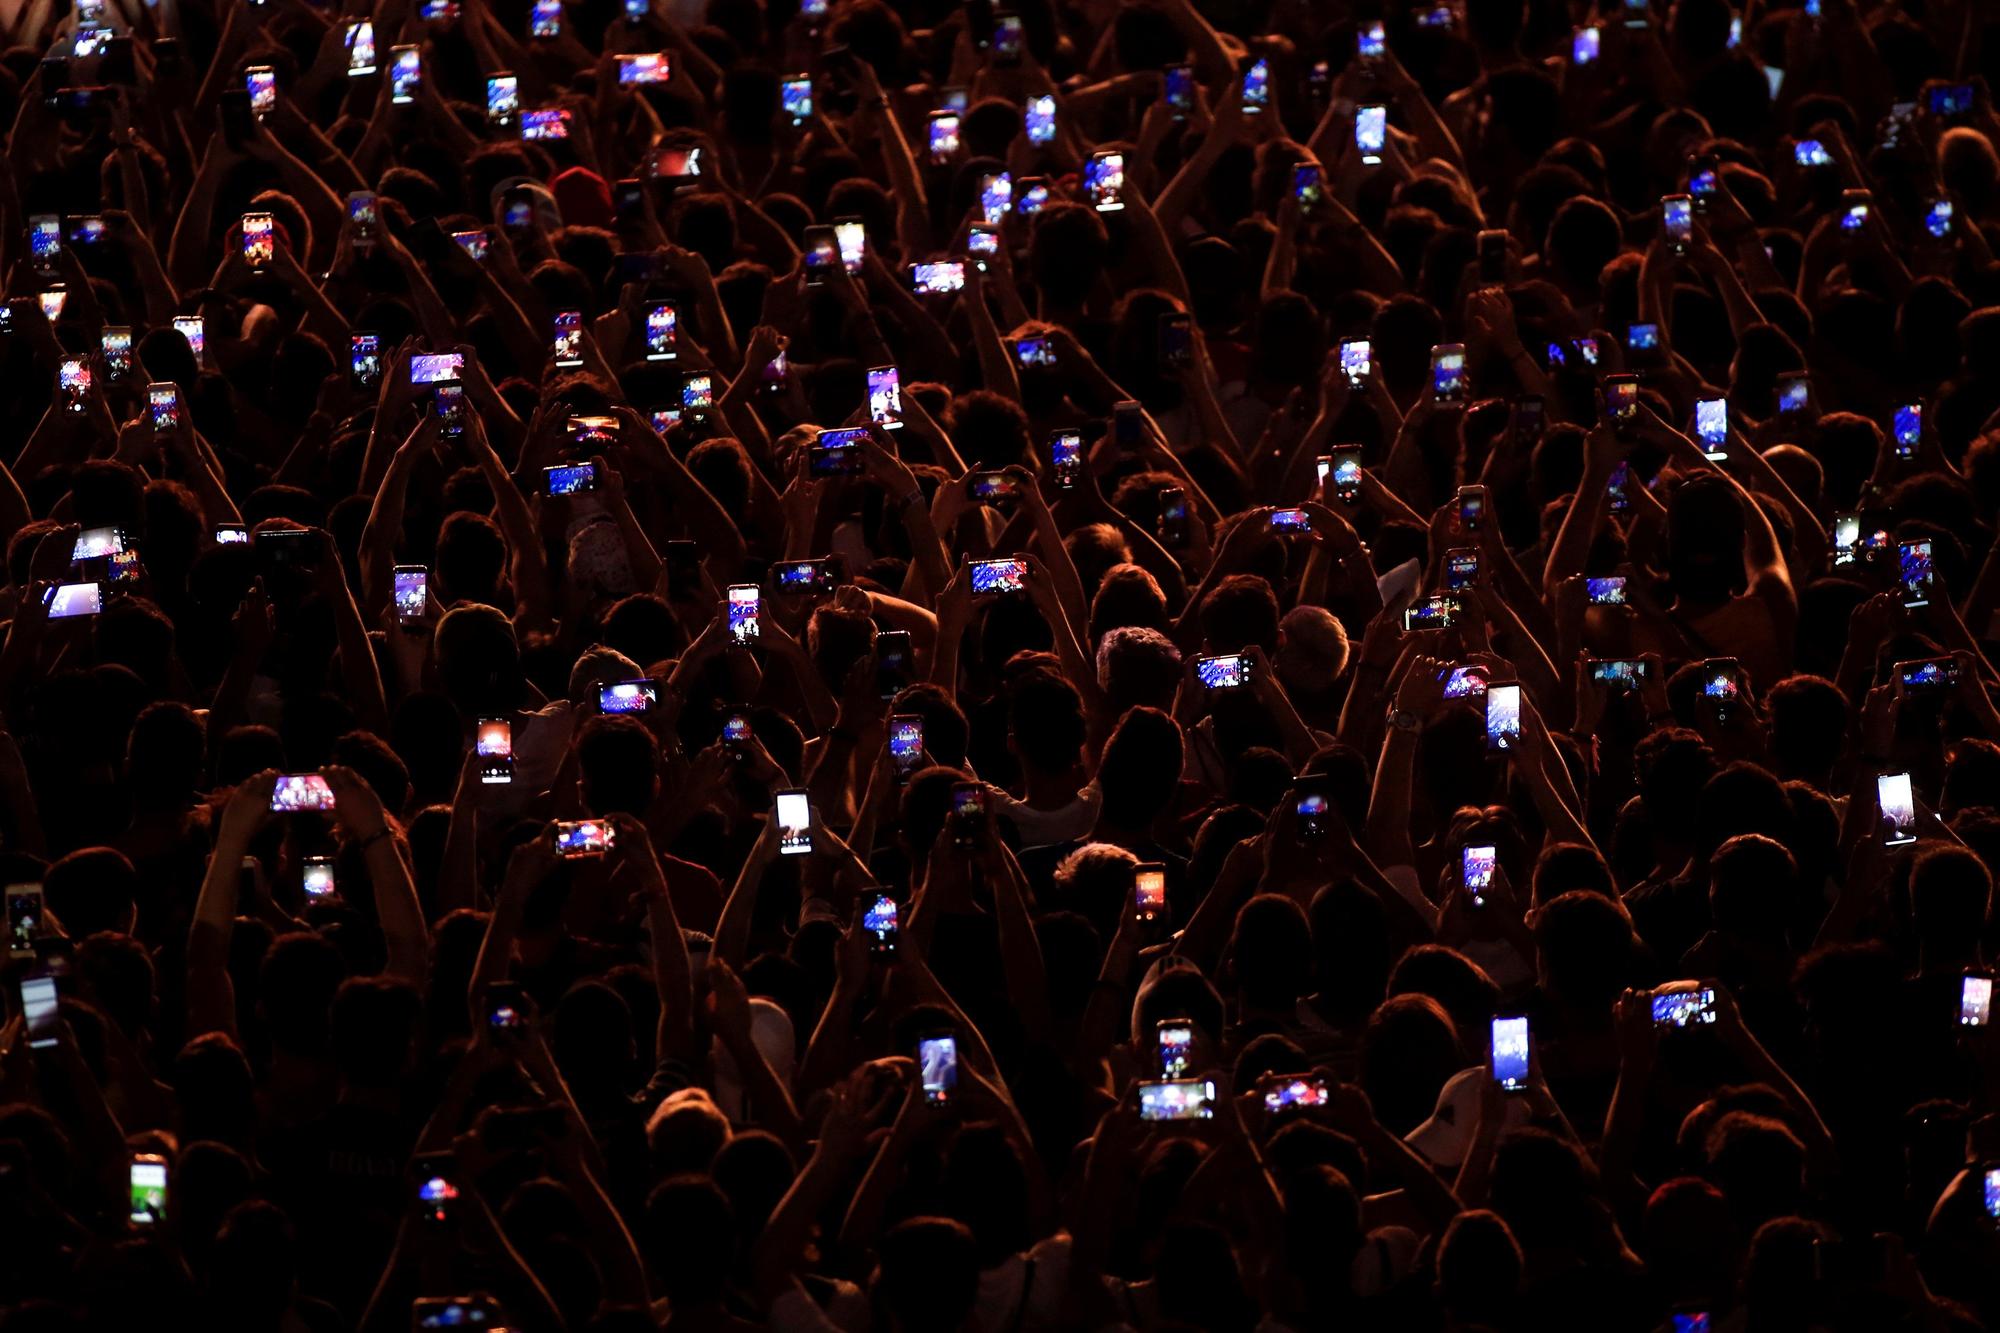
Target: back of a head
[927, 1276]
[92, 889]
[375, 1022]
[1584, 942]
[1141, 767]
[690, 1238]
[1478, 1267]
[1951, 895]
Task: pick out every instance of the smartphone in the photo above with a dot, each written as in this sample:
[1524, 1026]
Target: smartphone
[795, 95]
[1492, 251]
[1471, 507]
[906, 743]
[507, 1010]
[736, 735]
[566, 340]
[1290, 520]
[52, 302]
[1926, 675]
[412, 593]
[836, 453]
[1620, 400]
[683, 567]
[1811, 153]
[885, 397]
[1371, 40]
[1345, 474]
[494, 741]
[1356, 360]
[316, 877]
[1257, 87]
[45, 240]
[545, 20]
[503, 99]
[406, 70]
[1311, 809]
[73, 377]
[1677, 221]
[850, 237]
[360, 41]
[1176, 339]
[259, 244]
[1448, 372]
[1913, 563]
[1607, 591]
[1938, 219]
[1462, 682]
[1438, 612]
[937, 1063]
[541, 124]
[96, 543]
[24, 919]
[1711, 426]
[1291, 1092]
[996, 198]
[297, 793]
[583, 837]
[999, 578]
[943, 136]
[1585, 45]
[1692, 1006]
[231, 534]
[1909, 427]
[261, 82]
[648, 67]
[1172, 528]
[1040, 119]
[892, 662]
[1475, 872]
[1461, 568]
[628, 696]
[41, 1010]
[148, 1177]
[743, 600]
[1177, 1099]
[436, 367]
[662, 331]
[1794, 392]
[1066, 458]
[1503, 716]
[879, 919]
[1104, 181]
[1371, 132]
[794, 815]
[1525, 415]
[1854, 209]
[1149, 892]
[1174, 1040]
[1510, 1053]
[1226, 672]
[1899, 806]
[982, 241]
[75, 599]
[1179, 90]
[1975, 1001]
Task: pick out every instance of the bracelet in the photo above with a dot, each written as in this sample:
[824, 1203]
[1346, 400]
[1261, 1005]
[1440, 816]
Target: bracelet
[365, 843]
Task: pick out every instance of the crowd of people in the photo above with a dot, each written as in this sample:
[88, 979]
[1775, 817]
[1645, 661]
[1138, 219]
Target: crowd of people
[978, 666]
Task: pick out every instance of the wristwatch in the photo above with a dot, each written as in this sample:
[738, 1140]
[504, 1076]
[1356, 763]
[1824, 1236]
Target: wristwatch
[1403, 720]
